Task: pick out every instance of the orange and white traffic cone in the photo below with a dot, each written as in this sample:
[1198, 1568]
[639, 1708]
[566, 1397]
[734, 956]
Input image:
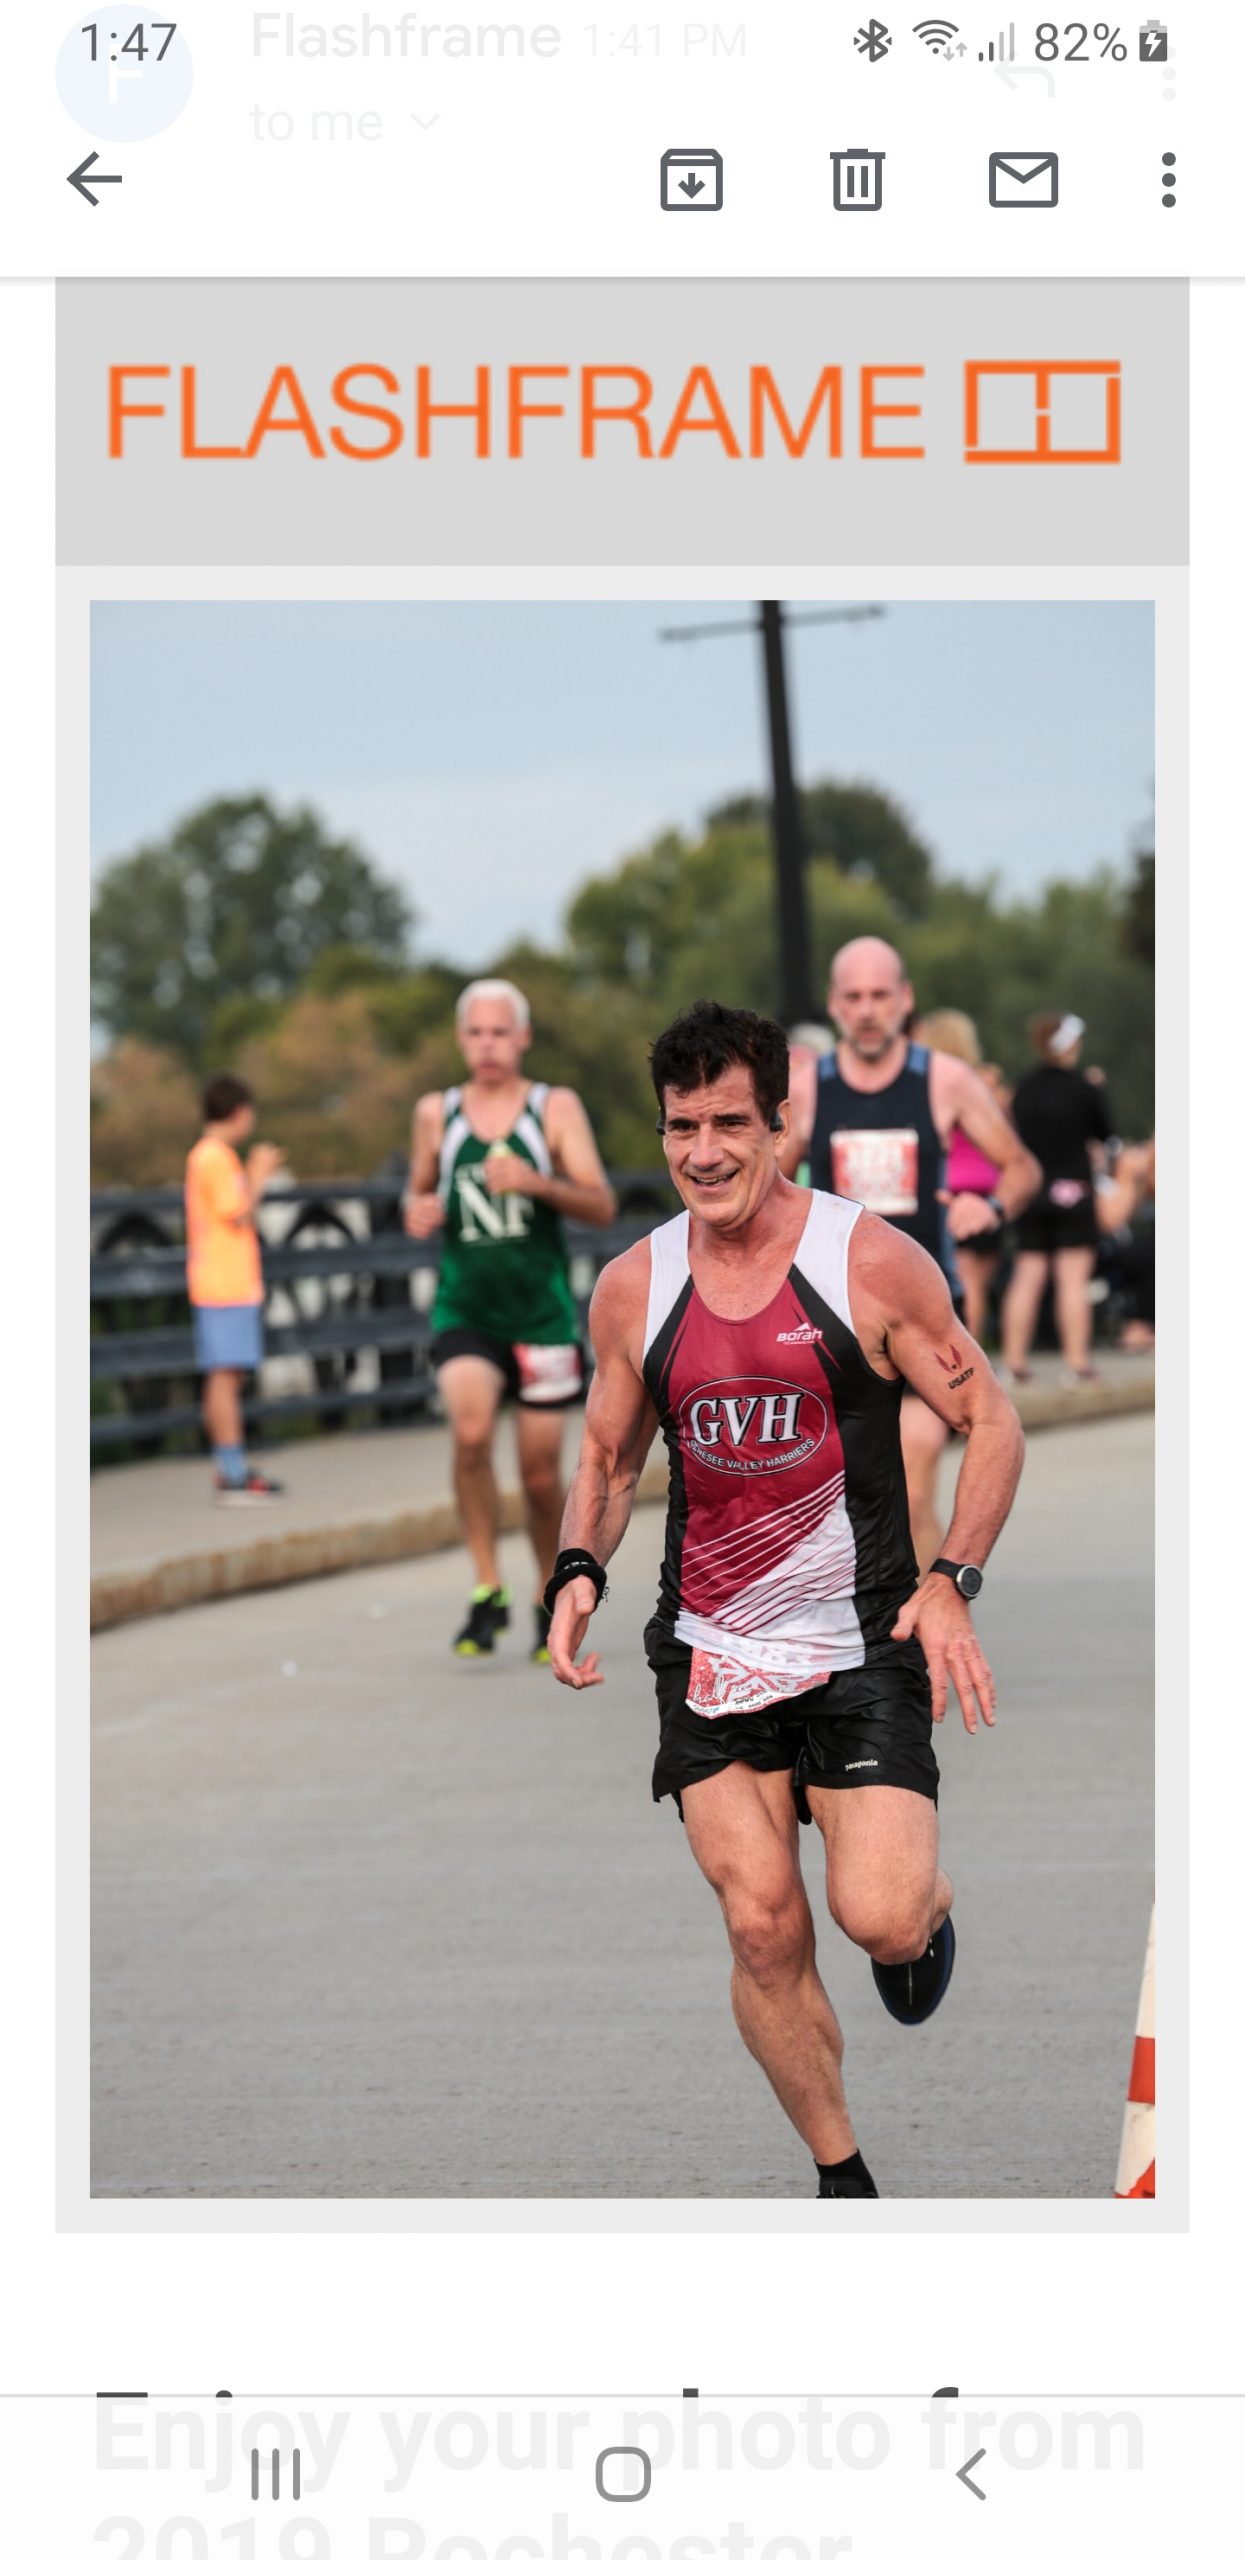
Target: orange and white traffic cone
[1135, 2175]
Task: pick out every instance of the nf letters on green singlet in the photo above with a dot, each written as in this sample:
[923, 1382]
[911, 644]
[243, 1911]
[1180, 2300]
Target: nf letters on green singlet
[503, 1259]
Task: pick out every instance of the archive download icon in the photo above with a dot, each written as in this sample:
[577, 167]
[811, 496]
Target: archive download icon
[691, 182]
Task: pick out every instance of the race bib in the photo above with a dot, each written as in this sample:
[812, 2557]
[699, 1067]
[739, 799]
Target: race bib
[719, 1687]
[549, 1372]
[878, 1167]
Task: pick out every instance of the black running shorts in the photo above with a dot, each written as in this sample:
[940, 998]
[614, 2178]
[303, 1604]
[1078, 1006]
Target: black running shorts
[549, 1374]
[865, 1728]
[1052, 1225]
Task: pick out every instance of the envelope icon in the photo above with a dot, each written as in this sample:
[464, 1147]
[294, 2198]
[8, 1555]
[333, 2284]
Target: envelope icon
[1028, 180]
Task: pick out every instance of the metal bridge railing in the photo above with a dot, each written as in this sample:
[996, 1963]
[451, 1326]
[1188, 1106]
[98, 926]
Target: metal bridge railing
[347, 1296]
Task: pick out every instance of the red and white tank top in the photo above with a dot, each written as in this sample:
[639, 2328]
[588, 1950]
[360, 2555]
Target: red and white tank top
[788, 1552]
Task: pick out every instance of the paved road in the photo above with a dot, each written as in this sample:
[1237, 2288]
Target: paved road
[369, 1922]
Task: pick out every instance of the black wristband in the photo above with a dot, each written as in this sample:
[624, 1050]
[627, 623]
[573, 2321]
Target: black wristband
[571, 1563]
[993, 1202]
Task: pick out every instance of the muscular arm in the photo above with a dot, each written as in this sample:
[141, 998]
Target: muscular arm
[578, 1187]
[618, 1432]
[422, 1209]
[962, 1101]
[426, 1133]
[905, 1322]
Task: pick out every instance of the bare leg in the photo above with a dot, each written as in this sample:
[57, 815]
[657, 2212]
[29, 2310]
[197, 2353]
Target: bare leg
[924, 1436]
[1074, 1316]
[222, 1408]
[471, 1392]
[976, 1272]
[743, 1833]
[1022, 1306]
[540, 1470]
[884, 1885]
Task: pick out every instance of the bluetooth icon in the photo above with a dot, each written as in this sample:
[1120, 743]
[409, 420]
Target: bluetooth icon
[873, 40]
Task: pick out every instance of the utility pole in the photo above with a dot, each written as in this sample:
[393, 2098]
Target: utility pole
[791, 885]
[796, 1002]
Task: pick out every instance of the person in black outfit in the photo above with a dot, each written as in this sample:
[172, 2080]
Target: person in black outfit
[1060, 1114]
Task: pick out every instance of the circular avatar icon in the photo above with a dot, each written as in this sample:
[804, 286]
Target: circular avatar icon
[124, 77]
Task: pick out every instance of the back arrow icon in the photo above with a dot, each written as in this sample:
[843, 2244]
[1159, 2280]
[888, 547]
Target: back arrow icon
[99, 177]
[971, 2465]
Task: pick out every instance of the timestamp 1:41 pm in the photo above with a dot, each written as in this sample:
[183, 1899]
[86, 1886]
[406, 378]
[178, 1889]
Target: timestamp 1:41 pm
[693, 36]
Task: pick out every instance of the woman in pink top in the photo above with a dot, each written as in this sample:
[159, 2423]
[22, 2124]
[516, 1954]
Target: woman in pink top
[976, 1257]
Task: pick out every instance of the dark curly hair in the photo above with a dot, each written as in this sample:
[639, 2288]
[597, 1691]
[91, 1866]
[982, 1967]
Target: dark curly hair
[702, 1043]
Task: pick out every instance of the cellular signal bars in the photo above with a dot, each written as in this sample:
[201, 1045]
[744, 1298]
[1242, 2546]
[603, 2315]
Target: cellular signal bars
[1002, 47]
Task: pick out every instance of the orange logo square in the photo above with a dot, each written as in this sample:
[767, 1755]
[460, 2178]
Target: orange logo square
[1048, 441]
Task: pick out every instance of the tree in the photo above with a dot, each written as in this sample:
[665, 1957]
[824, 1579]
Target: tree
[144, 1118]
[686, 919]
[238, 902]
[859, 829]
[327, 1091]
[1138, 921]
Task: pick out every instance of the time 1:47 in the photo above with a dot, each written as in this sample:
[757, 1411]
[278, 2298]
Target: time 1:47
[136, 41]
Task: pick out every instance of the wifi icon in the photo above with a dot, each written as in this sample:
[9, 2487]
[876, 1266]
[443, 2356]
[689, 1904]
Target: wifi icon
[936, 33]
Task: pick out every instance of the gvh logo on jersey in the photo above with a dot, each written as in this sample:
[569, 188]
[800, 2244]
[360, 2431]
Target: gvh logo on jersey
[749, 1426]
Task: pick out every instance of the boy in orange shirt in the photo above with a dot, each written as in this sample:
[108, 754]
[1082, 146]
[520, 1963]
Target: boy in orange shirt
[224, 1279]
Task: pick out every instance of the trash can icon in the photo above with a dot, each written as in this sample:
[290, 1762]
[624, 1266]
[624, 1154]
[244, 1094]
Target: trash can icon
[857, 181]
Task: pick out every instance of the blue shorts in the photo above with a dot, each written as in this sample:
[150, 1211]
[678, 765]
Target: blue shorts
[228, 1337]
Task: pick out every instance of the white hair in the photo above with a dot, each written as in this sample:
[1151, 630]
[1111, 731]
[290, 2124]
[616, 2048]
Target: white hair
[494, 991]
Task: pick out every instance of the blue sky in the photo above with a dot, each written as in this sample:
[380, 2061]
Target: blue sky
[491, 757]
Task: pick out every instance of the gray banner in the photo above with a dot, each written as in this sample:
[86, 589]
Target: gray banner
[1052, 419]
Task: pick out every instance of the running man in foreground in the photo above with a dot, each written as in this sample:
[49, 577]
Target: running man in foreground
[799, 1666]
[496, 1164]
[875, 1119]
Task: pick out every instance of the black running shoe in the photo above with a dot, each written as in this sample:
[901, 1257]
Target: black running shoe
[912, 1992]
[542, 1619]
[846, 2187]
[488, 1614]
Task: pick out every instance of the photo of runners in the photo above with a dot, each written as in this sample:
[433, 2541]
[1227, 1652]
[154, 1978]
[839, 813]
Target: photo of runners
[622, 1400]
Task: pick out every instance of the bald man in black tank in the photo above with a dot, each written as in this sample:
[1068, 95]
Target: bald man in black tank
[799, 1664]
[874, 1120]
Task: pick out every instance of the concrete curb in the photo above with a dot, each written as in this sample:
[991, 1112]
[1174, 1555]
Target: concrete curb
[390, 1537]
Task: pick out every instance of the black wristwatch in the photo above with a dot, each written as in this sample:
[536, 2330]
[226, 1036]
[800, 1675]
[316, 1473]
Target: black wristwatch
[968, 1578]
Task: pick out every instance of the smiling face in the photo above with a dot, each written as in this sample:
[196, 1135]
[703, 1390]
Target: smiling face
[491, 1041]
[869, 999]
[720, 1150]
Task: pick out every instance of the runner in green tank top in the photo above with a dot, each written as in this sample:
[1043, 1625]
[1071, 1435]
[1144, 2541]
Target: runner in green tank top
[496, 1164]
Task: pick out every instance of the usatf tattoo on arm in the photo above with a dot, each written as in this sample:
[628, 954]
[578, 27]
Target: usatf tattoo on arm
[956, 1363]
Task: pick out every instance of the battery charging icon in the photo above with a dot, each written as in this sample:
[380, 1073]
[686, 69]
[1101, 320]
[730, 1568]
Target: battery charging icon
[1152, 41]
